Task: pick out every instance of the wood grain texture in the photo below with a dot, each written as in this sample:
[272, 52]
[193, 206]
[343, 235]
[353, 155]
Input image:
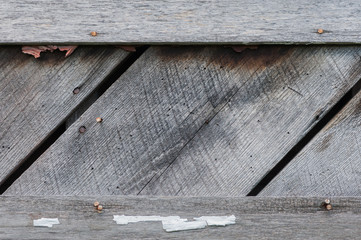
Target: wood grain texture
[259, 124]
[330, 164]
[195, 121]
[179, 21]
[256, 218]
[36, 95]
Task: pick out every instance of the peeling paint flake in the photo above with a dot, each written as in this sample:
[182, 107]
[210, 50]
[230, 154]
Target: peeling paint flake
[45, 222]
[175, 223]
[178, 225]
[123, 220]
[218, 220]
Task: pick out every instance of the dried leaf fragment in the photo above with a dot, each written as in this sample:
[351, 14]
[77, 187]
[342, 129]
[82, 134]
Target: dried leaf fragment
[128, 48]
[36, 50]
[242, 48]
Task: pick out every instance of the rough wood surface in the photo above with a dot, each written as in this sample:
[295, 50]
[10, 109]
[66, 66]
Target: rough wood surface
[256, 218]
[183, 21]
[195, 121]
[330, 164]
[36, 95]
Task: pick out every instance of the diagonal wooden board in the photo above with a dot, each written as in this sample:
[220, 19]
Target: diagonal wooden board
[256, 218]
[195, 121]
[330, 164]
[181, 21]
[36, 95]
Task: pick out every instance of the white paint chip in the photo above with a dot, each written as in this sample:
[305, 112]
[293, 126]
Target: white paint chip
[218, 220]
[175, 223]
[123, 220]
[178, 225]
[45, 222]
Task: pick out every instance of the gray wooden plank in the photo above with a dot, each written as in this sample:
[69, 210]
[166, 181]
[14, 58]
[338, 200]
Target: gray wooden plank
[195, 121]
[256, 218]
[330, 164]
[182, 21]
[36, 95]
[260, 124]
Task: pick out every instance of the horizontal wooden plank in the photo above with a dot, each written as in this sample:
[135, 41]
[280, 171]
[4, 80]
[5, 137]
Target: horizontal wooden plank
[36, 95]
[256, 218]
[195, 121]
[330, 164]
[183, 21]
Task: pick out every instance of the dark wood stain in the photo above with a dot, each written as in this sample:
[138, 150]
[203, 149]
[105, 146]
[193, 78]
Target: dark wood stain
[263, 57]
[325, 143]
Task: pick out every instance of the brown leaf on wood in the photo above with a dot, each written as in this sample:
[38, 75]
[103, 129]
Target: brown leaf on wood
[128, 48]
[36, 50]
[69, 49]
[242, 48]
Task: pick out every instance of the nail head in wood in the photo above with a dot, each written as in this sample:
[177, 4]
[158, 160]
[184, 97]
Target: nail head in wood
[96, 204]
[94, 34]
[100, 207]
[320, 30]
[328, 207]
[327, 201]
[76, 90]
[99, 119]
[82, 129]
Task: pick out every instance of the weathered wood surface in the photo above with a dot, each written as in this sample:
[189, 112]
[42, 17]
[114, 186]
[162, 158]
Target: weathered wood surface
[195, 121]
[184, 21]
[330, 164]
[256, 218]
[36, 95]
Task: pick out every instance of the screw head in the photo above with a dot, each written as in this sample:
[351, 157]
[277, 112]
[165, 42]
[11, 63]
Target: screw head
[99, 119]
[96, 204]
[94, 33]
[320, 30]
[82, 129]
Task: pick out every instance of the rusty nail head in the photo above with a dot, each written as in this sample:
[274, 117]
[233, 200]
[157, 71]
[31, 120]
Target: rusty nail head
[320, 30]
[76, 90]
[99, 119]
[100, 207]
[328, 207]
[82, 129]
[96, 204]
[327, 201]
[93, 33]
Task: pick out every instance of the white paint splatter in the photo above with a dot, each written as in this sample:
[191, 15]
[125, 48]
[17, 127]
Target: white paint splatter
[175, 223]
[123, 220]
[217, 220]
[45, 222]
[178, 225]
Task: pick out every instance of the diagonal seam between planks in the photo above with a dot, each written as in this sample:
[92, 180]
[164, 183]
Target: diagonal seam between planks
[79, 110]
[290, 155]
